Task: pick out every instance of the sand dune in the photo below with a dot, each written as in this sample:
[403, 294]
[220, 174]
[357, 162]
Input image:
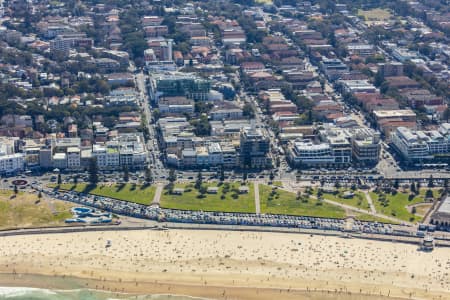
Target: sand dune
[231, 265]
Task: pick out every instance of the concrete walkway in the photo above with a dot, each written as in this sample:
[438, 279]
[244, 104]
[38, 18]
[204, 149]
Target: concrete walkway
[257, 204]
[157, 197]
[360, 210]
[370, 201]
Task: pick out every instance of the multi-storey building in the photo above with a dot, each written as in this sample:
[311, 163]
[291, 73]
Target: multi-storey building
[422, 145]
[365, 146]
[254, 149]
[11, 163]
[74, 158]
[178, 84]
[335, 147]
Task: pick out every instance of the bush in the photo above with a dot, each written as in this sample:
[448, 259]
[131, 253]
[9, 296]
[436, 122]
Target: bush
[222, 196]
[411, 197]
[201, 196]
[234, 196]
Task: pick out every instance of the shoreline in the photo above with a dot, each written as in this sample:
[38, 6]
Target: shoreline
[215, 264]
[127, 289]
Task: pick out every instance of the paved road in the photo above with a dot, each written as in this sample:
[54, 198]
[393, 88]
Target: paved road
[157, 197]
[257, 203]
[369, 199]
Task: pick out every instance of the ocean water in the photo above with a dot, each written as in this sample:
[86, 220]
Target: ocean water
[25, 293]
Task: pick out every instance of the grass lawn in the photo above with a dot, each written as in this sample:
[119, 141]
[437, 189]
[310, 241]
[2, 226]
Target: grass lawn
[284, 202]
[370, 218]
[397, 205]
[359, 199]
[244, 203]
[126, 192]
[25, 211]
[375, 14]
[277, 183]
[436, 194]
[422, 209]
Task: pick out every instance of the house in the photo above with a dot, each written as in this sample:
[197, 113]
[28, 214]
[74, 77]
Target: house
[178, 191]
[250, 67]
[212, 190]
[243, 189]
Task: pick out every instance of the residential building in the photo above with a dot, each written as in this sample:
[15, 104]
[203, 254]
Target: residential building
[179, 84]
[365, 146]
[422, 145]
[254, 148]
[73, 158]
[11, 163]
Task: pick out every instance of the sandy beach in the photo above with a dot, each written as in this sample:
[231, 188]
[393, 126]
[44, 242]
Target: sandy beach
[226, 265]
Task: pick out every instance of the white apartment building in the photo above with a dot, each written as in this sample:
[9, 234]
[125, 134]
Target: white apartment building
[421, 145]
[73, 158]
[11, 163]
[107, 158]
[307, 153]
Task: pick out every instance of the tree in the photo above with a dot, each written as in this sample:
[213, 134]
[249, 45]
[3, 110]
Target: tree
[75, 179]
[244, 176]
[446, 114]
[248, 111]
[171, 176]
[93, 171]
[148, 175]
[396, 184]
[201, 126]
[16, 190]
[221, 175]
[418, 186]
[199, 181]
[126, 174]
[430, 182]
[446, 184]
[271, 176]
[414, 210]
[59, 181]
[39, 195]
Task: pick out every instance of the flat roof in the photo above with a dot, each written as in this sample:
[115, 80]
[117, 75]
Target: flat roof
[445, 206]
[394, 113]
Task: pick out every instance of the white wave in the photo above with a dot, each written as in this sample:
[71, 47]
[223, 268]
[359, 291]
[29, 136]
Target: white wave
[9, 292]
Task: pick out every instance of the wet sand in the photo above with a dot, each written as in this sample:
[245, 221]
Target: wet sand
[226, 265]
